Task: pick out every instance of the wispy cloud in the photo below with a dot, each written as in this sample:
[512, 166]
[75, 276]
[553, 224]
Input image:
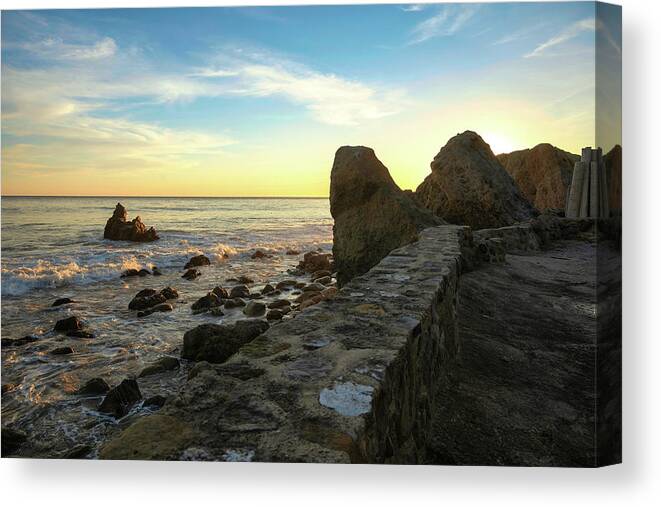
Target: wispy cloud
[517, 35]
[573, 31]
[446, 22]
[413, 7]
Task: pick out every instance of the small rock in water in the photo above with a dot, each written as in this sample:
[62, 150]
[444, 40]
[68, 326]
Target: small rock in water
[198, 260]
[191, 274]
[279, 303]
[320, 274]
[315, 261]
[268, 289]
[60, 351]
[17, 342]
[274, 315]
[285, 284]
[78, 333]
[118, 227]
[144, 272]
[94, 386]
[314, 287]
[163, 307]
[130, 272]
[234, 303]
[161, 365]
[211, 300]
[324, 280]
[121, 398]
[155, 271]
[240, 291]
[260, 255]
[254, 309]
[148, 298]
[221, 292]
[62, 301]
[170, 293]
[245, 279]
[292, 252]
[217, 312]
[68, 324]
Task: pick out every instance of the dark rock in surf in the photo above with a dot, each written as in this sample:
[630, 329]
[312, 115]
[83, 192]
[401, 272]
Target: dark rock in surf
[149, 298]
[211, 300]
[18, 342]
[234, 303]
[191, 274]
[79, 333]
[61, 351]
[94, 387]
[197, 261]
[254, 309]
[162, 307]
[120, 399]
[119, 228]
[240, 291]
[315, 261]
[62, 301]
[69, 324]
[221, 292]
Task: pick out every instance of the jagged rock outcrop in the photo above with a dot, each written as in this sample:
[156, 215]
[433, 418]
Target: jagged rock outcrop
[373, 216]
[543, 174]
[613, 163]
[469, 186]
[118, 227]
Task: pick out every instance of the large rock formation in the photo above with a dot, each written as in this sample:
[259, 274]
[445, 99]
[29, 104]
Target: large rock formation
[469, 186]
[542, 173]
[372, 214]
[119, 228]
[613, 162]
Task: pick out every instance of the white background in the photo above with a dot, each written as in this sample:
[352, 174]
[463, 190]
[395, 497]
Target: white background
[636, 482]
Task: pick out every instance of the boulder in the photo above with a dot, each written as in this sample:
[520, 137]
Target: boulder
[279, 303]
[285, 284]
[119, 228]
[543, 174]
[94, 387]
[79, 333]
[129, 273]
[215, 343]
[260, 255]
[198, 260]
[274, 315]
[159, 366]
[372, 214]
[69, 324]
[240, 291]
[121, 398]
[469, 186]
[155, 402]
[268, 289]
[245, 279]
[254, 309]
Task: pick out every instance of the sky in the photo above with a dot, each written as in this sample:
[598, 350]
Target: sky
[255, 101]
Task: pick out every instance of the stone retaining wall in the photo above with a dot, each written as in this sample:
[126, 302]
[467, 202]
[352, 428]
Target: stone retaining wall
[350, 379]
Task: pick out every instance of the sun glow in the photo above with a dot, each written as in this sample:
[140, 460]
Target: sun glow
[499, 143]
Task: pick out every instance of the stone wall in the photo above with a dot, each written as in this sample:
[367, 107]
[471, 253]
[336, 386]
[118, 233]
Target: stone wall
[347, 380]
[351, 379]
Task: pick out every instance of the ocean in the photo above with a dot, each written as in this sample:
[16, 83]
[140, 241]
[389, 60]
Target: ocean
[53, 247]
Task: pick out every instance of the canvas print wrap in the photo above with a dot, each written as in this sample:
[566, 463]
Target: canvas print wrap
[323, 234]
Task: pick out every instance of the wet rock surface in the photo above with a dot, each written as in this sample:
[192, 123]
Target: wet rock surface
[120, 399]
[215, 343]
[119, 228]
[197, 261]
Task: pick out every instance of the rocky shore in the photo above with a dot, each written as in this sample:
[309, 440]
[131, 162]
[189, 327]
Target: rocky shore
[397, 348]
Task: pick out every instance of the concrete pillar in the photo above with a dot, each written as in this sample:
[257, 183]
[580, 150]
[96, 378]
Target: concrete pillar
[603, 179]
[585, 192]
[573, 207]
[586, 155]
[594, 189]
